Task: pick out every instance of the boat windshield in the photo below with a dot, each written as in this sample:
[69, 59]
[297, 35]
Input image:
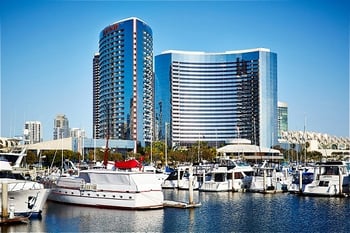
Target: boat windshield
[331, 170]
[348, 167]
[10, 175]
[242, 164]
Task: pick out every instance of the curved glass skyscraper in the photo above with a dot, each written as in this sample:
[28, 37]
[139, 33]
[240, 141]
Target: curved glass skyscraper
[214, 97]
[125, 95]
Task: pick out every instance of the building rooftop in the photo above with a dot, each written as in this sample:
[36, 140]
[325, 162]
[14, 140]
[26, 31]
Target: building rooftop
[127, 19]
[216, 53]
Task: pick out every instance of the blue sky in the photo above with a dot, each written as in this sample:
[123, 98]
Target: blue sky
[47, 49]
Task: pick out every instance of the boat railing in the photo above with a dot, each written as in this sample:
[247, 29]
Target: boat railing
[88, 187]
[22, 185]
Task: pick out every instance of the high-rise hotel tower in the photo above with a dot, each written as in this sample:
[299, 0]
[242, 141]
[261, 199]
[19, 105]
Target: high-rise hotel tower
[215, 97]
[123, 84]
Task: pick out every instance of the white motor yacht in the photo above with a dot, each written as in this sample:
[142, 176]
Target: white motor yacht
[25, 197]
[120, 188]
[330, 179]
[179, 178]
[228, 175]
[301, 178]
[268, 179]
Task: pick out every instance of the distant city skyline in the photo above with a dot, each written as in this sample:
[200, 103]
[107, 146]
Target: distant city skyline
[47, 49]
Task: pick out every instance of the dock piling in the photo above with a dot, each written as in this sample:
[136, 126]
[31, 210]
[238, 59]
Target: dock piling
[4, 200]
[300, 181]
[190, 185]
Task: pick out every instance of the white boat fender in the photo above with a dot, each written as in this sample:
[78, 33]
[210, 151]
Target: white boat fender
[12, 211]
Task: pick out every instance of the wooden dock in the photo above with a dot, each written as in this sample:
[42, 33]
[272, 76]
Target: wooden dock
[14, 220]
[182, 205]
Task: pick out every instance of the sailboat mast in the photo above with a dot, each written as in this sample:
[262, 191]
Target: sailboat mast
[151, 146]
[62, 163]
[166, 144]
[106, 152]
[105, 156]
[305, 140]
[95, 144]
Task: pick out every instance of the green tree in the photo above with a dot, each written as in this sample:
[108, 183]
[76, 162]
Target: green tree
[31, 157]
[158, 152]
[179, 156]
[201, 151]
[55, 158]
[98, 154]
[314, 156]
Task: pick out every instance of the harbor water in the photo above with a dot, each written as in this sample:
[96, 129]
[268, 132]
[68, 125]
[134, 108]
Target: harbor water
[219, 212]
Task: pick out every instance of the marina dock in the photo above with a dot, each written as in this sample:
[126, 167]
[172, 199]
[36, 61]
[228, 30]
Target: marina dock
[181, 205]
[14, 220]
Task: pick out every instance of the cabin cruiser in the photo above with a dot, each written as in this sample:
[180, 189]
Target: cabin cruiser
[124, 187]
[227, 175]
[179, 178]
[330, 179]
[25, 197]
[268, 179]
[301, 178]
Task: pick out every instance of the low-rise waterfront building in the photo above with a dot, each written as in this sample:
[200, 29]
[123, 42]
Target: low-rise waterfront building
[327, 145]
[83, 145]
[243, 149]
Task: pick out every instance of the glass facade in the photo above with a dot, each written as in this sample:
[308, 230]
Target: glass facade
[282, 118]
[215, 97]
[126, 81]
[96, 95]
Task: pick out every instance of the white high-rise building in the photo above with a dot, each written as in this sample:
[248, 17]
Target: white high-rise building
[77, 133]
[61, 127]
[32, 132]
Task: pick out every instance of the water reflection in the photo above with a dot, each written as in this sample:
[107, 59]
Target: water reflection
[219, 212]
[254, 212]
[86, 219]
[69, 218]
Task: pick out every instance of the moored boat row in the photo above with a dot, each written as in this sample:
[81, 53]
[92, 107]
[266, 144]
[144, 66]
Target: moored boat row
[322, 179]
[131, 185]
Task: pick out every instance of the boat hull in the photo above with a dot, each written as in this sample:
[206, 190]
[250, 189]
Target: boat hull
[26, 202]
[331, 179]
[211, 186]
[332, 189]
[109, 189]
[113, 199]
